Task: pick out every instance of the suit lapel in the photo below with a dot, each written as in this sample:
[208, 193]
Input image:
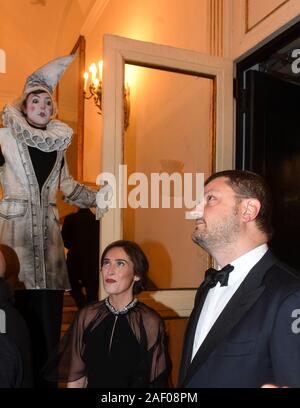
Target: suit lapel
[242, 300]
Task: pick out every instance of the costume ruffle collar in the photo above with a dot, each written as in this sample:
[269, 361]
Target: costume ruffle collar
[57, 135]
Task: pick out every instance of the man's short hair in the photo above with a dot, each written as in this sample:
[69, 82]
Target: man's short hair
[247, 184]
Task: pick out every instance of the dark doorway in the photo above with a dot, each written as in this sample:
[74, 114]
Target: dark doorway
[268, 134]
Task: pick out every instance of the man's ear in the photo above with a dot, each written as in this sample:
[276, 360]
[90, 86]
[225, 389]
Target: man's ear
[250, 209]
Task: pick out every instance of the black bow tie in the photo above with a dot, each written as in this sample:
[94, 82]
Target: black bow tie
[212, 276]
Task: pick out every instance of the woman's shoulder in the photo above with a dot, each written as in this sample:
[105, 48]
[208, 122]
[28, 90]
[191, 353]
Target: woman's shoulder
[153, 323]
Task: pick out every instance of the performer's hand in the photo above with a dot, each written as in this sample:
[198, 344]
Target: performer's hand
[103, 199]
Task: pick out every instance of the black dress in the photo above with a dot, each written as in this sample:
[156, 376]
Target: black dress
[112, 349]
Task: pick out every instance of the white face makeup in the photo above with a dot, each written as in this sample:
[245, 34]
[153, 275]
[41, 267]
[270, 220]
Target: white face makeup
[39, 108]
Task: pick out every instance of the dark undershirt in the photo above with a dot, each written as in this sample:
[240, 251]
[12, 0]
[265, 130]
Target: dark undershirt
[43, 163]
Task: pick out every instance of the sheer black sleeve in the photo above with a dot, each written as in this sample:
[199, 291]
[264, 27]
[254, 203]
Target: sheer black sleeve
[66, 364]
[147, 323]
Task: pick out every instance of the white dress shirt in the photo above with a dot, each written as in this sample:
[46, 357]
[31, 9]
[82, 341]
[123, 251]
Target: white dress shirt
[218, 296]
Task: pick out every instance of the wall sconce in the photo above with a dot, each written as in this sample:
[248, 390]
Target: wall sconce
[93, 81]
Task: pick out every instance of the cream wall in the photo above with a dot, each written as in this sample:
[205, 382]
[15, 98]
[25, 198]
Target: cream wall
[228, 28]
[254, 21]
[33, 33]
[179, 23]
[170, 131]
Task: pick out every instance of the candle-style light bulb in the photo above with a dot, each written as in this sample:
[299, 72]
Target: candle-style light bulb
[93, 71]
[96, 83]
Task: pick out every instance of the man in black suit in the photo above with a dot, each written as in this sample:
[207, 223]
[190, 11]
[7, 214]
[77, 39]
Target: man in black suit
[80, 232]
[244, 330]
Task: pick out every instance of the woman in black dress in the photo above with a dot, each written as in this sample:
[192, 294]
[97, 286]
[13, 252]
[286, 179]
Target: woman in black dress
[117, 342]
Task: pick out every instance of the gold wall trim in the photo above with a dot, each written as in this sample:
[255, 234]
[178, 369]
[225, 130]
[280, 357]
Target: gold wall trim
[213, 119]
[247, 6]
[80, 48]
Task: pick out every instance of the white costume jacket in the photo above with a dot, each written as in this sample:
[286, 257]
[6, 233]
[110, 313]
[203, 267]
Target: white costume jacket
[29, 221]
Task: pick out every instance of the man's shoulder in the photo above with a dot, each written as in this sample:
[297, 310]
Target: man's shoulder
[282, 275]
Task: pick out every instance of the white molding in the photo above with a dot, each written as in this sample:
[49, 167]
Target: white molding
[227, 29]
[93, 17]
[170, 303]
[216, 28]
[252, 12]
[271, 26]
[118, 50]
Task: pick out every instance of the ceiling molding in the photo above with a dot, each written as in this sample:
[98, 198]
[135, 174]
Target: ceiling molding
[93, 16]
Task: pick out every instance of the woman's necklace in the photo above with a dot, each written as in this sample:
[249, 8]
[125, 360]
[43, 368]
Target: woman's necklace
[125, 309]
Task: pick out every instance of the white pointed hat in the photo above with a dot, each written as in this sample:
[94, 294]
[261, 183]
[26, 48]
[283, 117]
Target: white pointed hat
[47, 76]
